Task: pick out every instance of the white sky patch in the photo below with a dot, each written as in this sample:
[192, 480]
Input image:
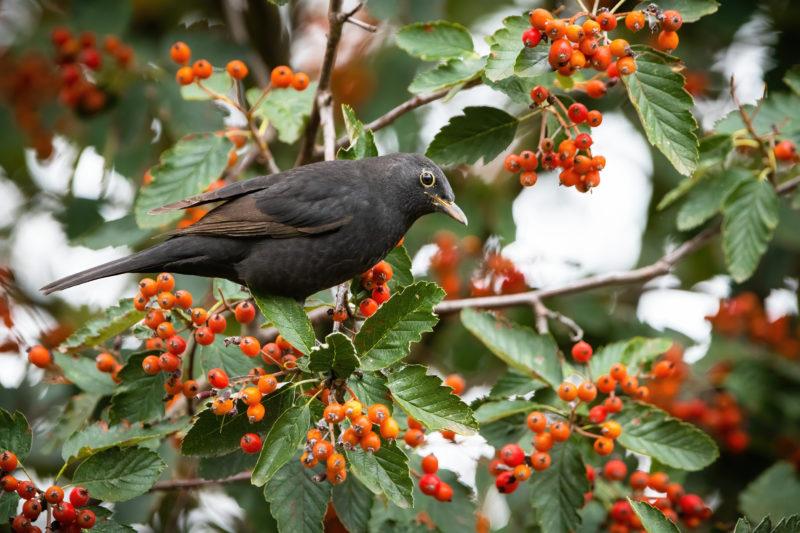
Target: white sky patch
[11, 200]
[781, 302]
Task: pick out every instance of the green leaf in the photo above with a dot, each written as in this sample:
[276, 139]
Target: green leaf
[225, 466]
[337, 354]
[384, 472]
[219, 82]
[229, 358]
[633, 352]
[297, 501]
[112, 322]
[281, 443]
[15, 434]
[557, 493]
[788, 524]
[532, 62]
[513, 383]
[212, 435]
[291, 320]
[119, 474]
[139, 397]
[82, 371]
[279, 2]
[187, 168]
[362, 141]
[431, 41]
[519, 89]
[505, 46]
[653, 520]
[286, 109]
[517, 346]
[426, 399]
[456, 516]
[481, 132]
[691, 10]
[792, 79]
[494, 411]
[447, 74]
[773, 494]
[664, 107]
[707, 198]
[229, 289]
[353, 503]
[9, 502]
[98, 437]
[370, 387]
[651, 431]
[778, 110]
[750, 216]
[386, 336]
[401, 268]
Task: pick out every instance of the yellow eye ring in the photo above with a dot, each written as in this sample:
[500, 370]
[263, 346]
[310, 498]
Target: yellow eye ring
[427, 178]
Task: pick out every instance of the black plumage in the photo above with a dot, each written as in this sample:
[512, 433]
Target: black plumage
[299, 231]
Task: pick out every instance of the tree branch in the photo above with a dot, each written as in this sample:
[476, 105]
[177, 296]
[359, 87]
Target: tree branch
[195, 483]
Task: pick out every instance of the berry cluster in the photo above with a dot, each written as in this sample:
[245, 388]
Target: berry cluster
[345, 427]
[430, 484]
[673, 501]
[580, 168]
[375, 282]
[68, 515]
[280, 77]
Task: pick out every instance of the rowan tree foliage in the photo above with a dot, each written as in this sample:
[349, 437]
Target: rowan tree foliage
[346, 413]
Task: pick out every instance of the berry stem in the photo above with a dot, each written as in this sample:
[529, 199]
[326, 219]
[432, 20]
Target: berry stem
[616, 6]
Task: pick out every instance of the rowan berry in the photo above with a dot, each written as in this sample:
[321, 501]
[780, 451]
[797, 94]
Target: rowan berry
[9, 483]
[377, 413]
[615, 470]
[40, 356]
[603, 446]
[221, 406]
[444, 492]
[381, 294]
[150, 365]
[300, 81]
[618, 371]
[236, 69]
[607, 21]
[8, 461]
[218, 378]
[602, 58]
[244, 312]
[173, 385]
[154, 343]
[642, 393]
[626, 66]
[430, 464]
[621, 511]
[560, 53]
[250, 346]
[538, 94]
[599, 162]
[658, 481]
[202, 69]
[428, 484]
[512, 455]
[168, 362]
[555, 29]
[611, 429]
[367, 307]
[574, 32]
[594, 118]
[60, 35]
[86, 519]
[22, 524]
[587, 392]
[371, 442]
[671, 20]
[32, 508]
[26, 490]
[667, 40]
[506, 483]
[250, 443]
[560, 431]
[567, 391]
[190, 388]
[448, 434]
[390, 429]
[183, 299]
[675, 492]
[281, 76]
[180, 53]
[577, 113]
[540, 461]
[531, 37]
[455, 382]
[79, 496]
[153, 318]
[217, 323]
[583, 141]
[199, 316]
[785, 151]
[333, 413]
[598, 414]
[613, 404]
[204, 336]
[536, 421]
[91, 58]
[639, 480]
[588, 46]
[512, 163]
[539, 18]
[165, 330]
[629, 385]
[414, 437]
[635, 21]
[528, 179]
[543, 441]
[591, 28]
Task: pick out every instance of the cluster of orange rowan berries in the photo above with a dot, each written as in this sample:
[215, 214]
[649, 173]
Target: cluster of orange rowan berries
[580, 168]
[430, 483]
[68, 515]
[76, 55]
[673, 500]
[375, 282]
[355, 426]
[280, 77]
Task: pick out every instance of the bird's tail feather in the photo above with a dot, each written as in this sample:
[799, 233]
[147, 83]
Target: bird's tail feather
[150, 260]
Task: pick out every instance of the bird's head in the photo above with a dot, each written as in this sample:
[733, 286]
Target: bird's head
[425, 186]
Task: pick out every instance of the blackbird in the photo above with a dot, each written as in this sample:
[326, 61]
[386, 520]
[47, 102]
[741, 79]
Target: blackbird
[296, 232]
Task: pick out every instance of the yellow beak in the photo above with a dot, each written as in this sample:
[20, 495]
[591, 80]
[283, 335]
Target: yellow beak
[450, 208]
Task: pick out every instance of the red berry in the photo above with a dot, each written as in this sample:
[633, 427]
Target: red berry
[176, 345]
[169, 362]
[785, 150]
[581, 352]
[218, 378]
[204, 336]
[615, 470]
[65, 512]
[531, 37]
[512, 455]
[512, 163]
[430, 464]
[691, 504]
[32, 508]
[672, 20]
[8, 461]
[79, 496]
[528, 160]
[506, 483]
[180, 53]
[597, 414]
[444, 493]
[577, 113]
[539, 94]
[40, 356]
[250, 443]
[60, 36]
[91, 58]
[86, 519]
[367, 307]
[621, 511]
[583, 141]
[381, 293]
[428, 484]
[244, 312]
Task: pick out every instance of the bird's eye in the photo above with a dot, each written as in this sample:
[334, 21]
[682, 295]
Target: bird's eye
[427, 179]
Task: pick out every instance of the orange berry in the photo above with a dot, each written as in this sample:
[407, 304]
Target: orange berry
[281, 76]
[202, 69]
[560, 431]
[626, 66]
[635, 20]
[377, 413]
[267, 384]
[630, 384]
[199, 316]
[603, 446]
[541, 461]
[180, 53]
[183, 299]
[255, 413]
[567, 391]
[251, 395]
[658, 481]
[390, 429]
[543, 441]
[672, 20]
[587, 392]
[165, 282]
[221, 406]
[455, 382]
[300, 81]
[105, 362]
[250, 346]
[606, 384]
[537, 422]
[40, 356]
[611, 429]
[333, 413]
[667, 40]
[190, 388]
[414, 437]
[371, 442]
[620, 48]
[539, 18]
[595, 88]
[237, 69]
[150, 365]
[166, 300]
[618, 371]
[607, 21]
[430, 464]
[184, 75]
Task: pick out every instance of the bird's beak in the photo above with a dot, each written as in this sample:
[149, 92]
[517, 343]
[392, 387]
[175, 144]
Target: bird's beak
[450, 208]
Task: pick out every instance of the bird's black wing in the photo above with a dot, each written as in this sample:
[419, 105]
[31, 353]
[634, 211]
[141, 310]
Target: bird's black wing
[287, 206]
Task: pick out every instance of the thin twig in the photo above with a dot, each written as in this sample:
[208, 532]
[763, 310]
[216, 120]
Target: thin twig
[540, 314]
[748, 123]
[194, 483]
